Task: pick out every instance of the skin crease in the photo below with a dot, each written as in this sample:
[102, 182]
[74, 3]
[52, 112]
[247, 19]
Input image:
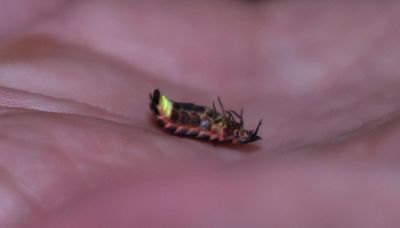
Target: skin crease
[79, 147]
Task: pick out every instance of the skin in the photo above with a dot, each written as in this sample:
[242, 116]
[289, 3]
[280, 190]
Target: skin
[79, 147]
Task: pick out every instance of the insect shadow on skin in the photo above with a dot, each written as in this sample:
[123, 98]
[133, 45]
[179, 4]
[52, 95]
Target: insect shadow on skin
[188, 119]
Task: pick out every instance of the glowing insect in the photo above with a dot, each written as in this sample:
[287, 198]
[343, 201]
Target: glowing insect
[203, 122]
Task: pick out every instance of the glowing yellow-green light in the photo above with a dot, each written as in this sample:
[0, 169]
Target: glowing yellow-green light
[166, 106]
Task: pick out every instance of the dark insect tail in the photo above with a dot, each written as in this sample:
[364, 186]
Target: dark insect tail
[154, 101]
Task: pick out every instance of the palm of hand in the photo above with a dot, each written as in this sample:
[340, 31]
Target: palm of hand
[75, 114]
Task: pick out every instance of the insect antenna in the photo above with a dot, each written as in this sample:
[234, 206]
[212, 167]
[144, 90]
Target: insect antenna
[258, 127]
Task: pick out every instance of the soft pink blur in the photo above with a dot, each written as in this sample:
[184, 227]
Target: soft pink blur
[79, 146]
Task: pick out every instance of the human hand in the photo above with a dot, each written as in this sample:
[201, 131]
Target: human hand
[79, 147]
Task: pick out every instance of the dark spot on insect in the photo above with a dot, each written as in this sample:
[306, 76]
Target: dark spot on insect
[170, 130]
[210, 113]
[154, 109]
[154, 101]
[192, 133]
[203, 137]
[177, 105]
[174, 116]
[198, 108]
[183, 118]
[156, 96]
[161, 123]
[227, 131]
[213, 114]
[218, 120]
[194, 119]
[181, 131]
[187, 106]
[205, 125]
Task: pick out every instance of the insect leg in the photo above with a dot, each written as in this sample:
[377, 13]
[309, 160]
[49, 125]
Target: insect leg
[222, 107]
[228, 121]
[258, 126]
[230, 116]
[236, 114]
[239, 116]
[214, 111]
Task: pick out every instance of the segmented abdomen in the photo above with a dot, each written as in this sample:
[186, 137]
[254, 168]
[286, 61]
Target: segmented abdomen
[187, 118]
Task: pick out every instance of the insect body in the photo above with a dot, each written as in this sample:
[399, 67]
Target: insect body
[199, 121]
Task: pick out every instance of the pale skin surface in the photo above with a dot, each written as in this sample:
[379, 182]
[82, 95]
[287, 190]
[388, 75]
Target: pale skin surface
[79, 148]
